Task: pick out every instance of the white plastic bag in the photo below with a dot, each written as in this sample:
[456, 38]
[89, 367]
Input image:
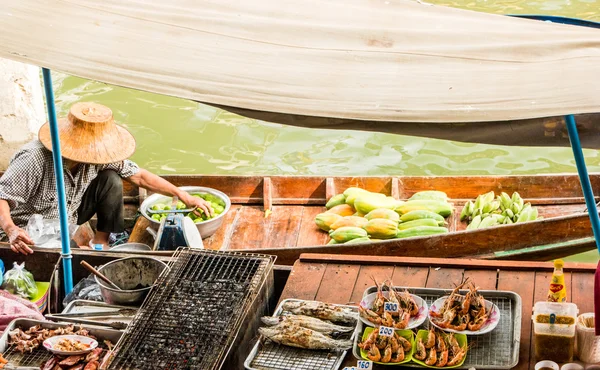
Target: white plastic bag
[45, 233]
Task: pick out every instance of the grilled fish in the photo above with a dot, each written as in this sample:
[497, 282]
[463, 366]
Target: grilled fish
[293, 335]
[308, 322]
[322, 311]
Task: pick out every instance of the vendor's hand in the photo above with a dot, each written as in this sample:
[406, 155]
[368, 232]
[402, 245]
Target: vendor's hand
[19, 240]
[198, 203]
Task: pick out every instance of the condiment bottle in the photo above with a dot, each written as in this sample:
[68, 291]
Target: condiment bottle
[558, 290]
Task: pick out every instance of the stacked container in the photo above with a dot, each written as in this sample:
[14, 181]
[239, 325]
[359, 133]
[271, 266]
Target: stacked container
[554, 331]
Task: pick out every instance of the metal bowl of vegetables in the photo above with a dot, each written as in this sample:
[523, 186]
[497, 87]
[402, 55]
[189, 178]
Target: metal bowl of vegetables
[207, 226]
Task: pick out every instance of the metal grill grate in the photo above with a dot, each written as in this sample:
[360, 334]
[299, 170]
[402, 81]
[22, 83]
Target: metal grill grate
[274, 356]
[190, 319]
[494, 348]
[34, 359]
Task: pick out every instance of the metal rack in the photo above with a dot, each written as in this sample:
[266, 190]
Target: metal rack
[498, 349]
[270, 355]
[191, 318]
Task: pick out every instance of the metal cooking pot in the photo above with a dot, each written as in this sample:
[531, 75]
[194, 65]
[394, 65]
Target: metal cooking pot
[206, 228]
[128, 274]
[131, 247]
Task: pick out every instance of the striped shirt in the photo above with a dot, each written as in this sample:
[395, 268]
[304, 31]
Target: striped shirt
[29, 183]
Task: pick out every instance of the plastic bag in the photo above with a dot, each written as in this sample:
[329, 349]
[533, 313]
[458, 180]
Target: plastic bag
[45, 233]
[87, 289]
[19, 281]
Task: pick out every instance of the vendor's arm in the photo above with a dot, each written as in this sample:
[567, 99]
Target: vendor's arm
[21, 179]
[149, 181]
[17, 237]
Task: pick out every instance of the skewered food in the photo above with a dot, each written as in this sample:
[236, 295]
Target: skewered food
[32, 338]
[291, 334]
[324, 327]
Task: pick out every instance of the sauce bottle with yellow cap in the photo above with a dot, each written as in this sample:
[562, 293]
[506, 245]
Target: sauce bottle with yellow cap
[558, 290]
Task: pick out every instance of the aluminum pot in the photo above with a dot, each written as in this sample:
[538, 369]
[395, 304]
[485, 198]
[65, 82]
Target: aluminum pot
[135, 275]
[131, 247]
[206, 228]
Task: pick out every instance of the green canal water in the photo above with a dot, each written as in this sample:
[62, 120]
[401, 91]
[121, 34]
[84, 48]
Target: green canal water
[179, 136]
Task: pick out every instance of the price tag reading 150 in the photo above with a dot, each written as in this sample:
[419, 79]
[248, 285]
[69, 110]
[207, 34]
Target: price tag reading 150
[366, 365]
[390, 307]
[385, 331]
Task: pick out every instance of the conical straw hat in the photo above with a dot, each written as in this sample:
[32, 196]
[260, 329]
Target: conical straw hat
[89, 134]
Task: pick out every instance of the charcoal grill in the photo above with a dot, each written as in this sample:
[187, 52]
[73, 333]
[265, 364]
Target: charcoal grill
[193, 315]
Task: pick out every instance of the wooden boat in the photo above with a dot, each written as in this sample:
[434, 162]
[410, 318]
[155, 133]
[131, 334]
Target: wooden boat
[289, 229]
[343, 280]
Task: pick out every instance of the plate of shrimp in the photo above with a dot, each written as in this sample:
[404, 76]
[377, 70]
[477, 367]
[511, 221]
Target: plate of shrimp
[436, 349]
[412, 309]
[470, 314]
[395, 350]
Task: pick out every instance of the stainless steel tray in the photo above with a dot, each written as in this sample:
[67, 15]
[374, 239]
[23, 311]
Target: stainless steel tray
[35, 359]
[273, 356]
[82, 306]
[498, 349]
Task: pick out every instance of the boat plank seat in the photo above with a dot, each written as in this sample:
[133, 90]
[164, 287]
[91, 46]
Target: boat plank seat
[342, 279]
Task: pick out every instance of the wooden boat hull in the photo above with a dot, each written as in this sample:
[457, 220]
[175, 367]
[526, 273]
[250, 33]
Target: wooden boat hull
[289, 229]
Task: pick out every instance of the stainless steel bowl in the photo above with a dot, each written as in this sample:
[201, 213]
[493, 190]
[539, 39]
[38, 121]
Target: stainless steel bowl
[131, 247]
[128, 274]
[206, 228]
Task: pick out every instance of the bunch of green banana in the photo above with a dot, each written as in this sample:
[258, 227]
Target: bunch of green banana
[489, 210]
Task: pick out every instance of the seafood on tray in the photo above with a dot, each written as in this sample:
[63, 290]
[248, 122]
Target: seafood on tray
[71, 345]
[311, 325]
[32, 338]
[468, 313]
[392, 349]
[318, 325]
[411, 310]
[322, 311]
[294, 335]
[439, 349]
[90, 361]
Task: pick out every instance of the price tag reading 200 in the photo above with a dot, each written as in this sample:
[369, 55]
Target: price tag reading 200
[386, 331]
[390, 307]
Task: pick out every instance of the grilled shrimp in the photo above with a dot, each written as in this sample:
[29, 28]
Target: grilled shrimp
[403, 322]
[374, 354]
[369, 315]
[430, 339]
[421, 351]
[457, 357]
[370, 340]
[432, 358]
[442, 358]
[398, 355]
[404, 342]
[387, 354]
[440, 342]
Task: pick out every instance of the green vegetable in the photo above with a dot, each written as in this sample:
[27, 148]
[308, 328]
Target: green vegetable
[19, 281]
[217, 204]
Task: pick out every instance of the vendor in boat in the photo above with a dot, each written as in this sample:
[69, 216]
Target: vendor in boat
[95, 152]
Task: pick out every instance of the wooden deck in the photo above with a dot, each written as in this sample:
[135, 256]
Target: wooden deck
[343, 279]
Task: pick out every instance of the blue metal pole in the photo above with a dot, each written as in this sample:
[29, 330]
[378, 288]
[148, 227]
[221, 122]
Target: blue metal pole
[586, 186]
[60, 183]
